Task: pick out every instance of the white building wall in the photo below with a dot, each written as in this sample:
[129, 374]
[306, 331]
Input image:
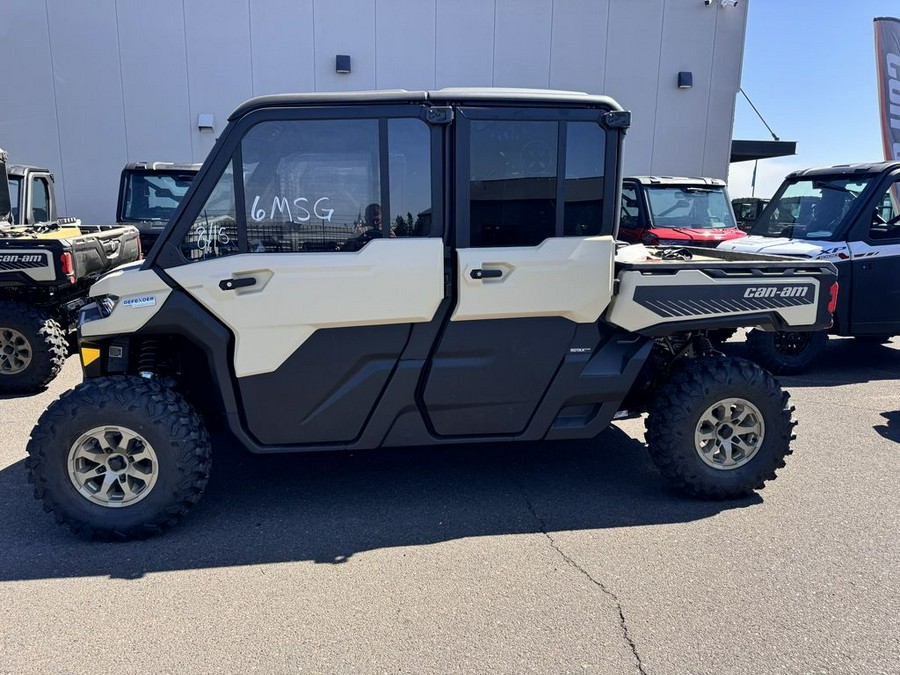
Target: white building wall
[282, 42]
[154, 81]
[97, 83]
[522, 31]
[465, 44]
[28, 125]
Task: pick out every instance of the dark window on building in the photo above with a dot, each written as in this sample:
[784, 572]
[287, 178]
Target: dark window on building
[512, 182]
[585, 154]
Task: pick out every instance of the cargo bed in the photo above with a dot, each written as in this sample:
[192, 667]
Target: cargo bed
[38, 260]
[722, 289]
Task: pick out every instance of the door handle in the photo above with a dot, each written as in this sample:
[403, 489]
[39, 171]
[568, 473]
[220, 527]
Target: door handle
[240, 282]
[486, 274]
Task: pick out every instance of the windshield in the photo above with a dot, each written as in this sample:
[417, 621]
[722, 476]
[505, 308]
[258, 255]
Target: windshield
[14, 197]
[690, 207]
[811, 209]
[153, 196]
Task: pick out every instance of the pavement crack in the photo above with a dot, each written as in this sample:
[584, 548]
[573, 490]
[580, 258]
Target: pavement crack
[623, 623]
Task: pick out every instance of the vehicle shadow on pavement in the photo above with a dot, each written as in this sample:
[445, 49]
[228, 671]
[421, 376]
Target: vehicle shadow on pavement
[891, 429]
[326, 508]
[844, 361]
[10, 397]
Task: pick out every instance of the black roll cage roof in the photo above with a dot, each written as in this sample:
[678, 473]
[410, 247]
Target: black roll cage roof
[456, 96]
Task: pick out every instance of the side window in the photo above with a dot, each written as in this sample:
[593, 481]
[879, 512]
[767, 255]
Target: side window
[526, 185]
[40, 200]
[154, 196]
[317, 185]
[14, 199]
[512, 182]
[214, 231]
[886, 218]
[410, 177]
[585, 154]
[312, 185]
[630, 210]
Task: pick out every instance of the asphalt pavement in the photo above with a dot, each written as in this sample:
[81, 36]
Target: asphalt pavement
[534, 558]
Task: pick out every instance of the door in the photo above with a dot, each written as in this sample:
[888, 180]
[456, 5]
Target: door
[533, 230]
[875, 254]
[317, 249]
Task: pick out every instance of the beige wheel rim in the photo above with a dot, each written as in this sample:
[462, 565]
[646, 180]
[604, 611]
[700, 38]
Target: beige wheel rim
[729, 434]
[113, 466]
[15, 352]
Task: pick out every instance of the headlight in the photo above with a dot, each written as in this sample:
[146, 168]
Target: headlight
[106, 304]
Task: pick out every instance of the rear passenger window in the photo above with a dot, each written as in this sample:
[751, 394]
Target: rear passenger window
[585, 153]
[515, 168]
[410, 178]
[512, 182]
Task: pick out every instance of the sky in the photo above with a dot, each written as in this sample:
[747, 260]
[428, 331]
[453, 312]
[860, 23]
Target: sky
[809, 67]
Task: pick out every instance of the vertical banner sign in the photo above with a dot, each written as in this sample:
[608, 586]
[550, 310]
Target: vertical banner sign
[887, 49]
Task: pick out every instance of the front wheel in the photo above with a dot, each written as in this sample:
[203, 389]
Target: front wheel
[786, 352]
[719, 428]
[119, 458]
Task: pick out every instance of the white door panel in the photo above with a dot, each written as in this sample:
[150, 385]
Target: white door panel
[569, 277]
[388, 281]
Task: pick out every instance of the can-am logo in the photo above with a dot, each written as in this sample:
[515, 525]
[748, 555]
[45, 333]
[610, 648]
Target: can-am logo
[21, 258]
[776, 292]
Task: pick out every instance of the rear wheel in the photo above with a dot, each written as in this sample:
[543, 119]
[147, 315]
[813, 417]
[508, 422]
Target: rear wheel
[786, 352]
[119, 458]
[33, 348]
[719, 428]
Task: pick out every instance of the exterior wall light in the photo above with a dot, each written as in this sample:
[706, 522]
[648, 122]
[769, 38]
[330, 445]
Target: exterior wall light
[685, 79]
[342, 64]
[206, 122]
